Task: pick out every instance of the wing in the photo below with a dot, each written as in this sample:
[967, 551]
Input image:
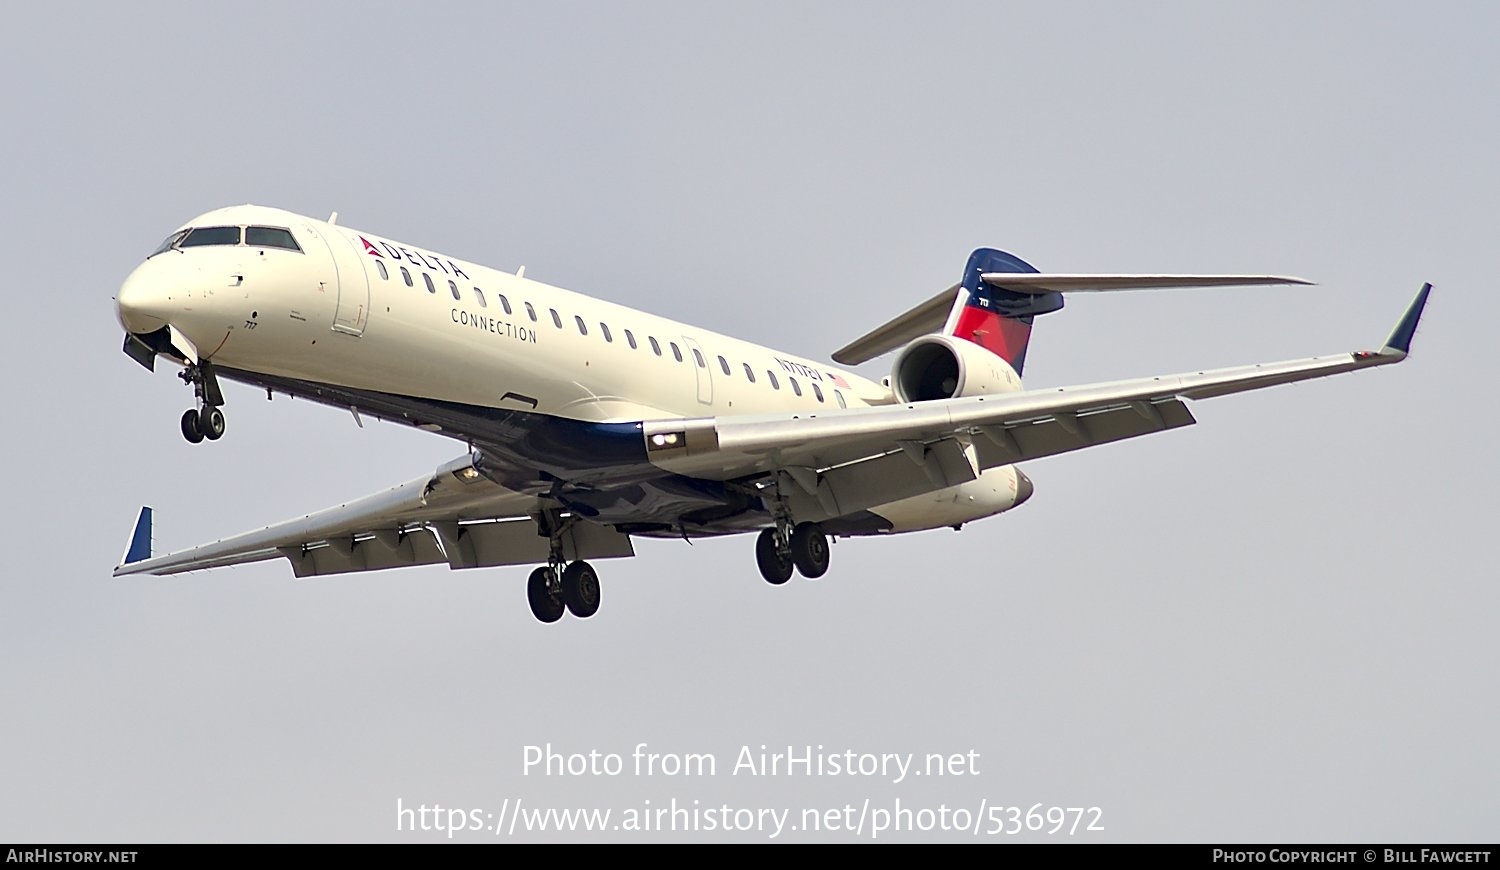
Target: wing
[855, 459]
[454, 515]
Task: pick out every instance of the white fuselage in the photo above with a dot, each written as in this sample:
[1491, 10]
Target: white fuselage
[362, 315]
[358, 312]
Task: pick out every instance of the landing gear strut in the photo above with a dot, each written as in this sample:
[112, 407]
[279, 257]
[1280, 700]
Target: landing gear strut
[561, 586]
[206, 420]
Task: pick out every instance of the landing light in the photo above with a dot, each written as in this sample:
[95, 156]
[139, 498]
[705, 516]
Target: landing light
[668, 440]
[467, 475]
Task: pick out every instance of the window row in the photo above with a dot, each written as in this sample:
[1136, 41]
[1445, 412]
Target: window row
[606, 332]
[250, 237]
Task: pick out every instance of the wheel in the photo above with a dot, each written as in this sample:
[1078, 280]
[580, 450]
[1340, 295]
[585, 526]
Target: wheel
[580, 589]
[775, 566]
[211, 422]
[810, 550]
[190, 427]
[544, 596]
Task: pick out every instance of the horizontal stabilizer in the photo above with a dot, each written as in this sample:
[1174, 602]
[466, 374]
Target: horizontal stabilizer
[1035, 282]
[931, 315]
[917, 321]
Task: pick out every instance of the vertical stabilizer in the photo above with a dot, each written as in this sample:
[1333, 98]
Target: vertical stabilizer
[992, 317]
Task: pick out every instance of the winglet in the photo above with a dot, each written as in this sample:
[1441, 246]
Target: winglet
[139, 548]
[1400, 340]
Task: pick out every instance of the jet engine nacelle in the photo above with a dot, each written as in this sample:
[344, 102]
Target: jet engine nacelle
[945, 367]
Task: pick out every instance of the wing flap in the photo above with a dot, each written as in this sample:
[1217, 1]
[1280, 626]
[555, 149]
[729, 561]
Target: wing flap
[486, 544]
[1002, 445]
[343, 556]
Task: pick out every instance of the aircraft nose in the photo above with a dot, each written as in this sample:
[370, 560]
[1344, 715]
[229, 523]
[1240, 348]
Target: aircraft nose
[140, 304]
[1024, 488]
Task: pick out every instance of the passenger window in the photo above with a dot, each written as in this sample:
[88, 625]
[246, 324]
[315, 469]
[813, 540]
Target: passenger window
[818, 391]
[210, 236]
[556, 319]
[431, 288]
[505, 303]
[749, 373]
[582, 329]
[840, 396]
[406, 276]
[630, 339]
[676, 351]
[699, 358]
[796, 387]
[724, 364]
[531, 312]
[271, 237]
[775, 384]
[655, 348]
[604, 328]
[479, 294]
[380, 267]
[453, 288]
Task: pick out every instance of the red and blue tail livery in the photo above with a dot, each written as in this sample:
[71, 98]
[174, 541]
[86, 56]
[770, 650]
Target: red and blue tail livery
[997, 319]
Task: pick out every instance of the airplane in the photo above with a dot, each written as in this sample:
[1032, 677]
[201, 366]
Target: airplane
[587, 424]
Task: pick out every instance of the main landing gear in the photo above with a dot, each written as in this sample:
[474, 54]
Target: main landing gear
[206, 420]
[574, 589]
[780, 549]
[560, 586]
[198, 425]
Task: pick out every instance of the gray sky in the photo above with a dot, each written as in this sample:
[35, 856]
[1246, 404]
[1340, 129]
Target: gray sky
[1275, 625]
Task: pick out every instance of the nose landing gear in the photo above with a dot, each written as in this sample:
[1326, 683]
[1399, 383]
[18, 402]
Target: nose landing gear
[206, 420]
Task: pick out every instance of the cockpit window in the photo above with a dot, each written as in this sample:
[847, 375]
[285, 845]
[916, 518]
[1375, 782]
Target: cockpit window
[200, 236]
[270, 237]
[170, 243]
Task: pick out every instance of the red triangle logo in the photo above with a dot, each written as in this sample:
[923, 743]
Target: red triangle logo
[370, 249]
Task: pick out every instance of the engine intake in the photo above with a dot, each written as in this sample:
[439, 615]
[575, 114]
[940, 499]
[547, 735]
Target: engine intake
[945, 367]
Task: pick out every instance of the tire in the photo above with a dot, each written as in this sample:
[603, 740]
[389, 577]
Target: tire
[190, 427]
[810, 550]
[580, 589]
[211, 422]
[775, 567]
[546, 604]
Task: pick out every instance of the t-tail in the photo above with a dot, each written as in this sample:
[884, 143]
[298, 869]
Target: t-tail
[997, 319]
[999, 299]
